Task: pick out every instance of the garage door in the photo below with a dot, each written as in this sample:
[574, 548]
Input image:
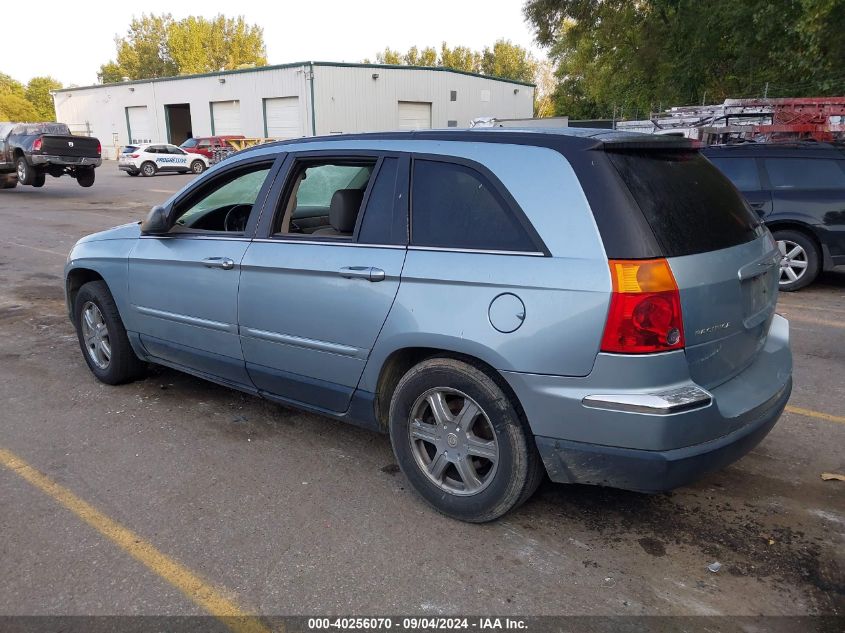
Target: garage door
[414, 115]
[139, 124]
[226, 117]
[281, 118]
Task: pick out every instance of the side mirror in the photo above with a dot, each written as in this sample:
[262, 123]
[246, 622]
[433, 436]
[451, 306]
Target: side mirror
[157, 222]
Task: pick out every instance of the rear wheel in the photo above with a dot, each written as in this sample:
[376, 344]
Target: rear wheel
[8, 181]
[800, 260]
[85, 176]
[197, 166]
[132, 173]
[148, 169]
[26, 174]
[102, 337]
[460, 442]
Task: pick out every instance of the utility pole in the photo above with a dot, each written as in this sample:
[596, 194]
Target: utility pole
[766, 91]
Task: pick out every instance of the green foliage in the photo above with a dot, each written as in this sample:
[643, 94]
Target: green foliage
[38, 94]
[636, 56]
[159, 46]
[32, 102]
[504, 59]
[14, 107]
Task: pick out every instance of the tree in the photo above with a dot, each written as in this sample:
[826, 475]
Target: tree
[9, 86]
[38, 94]
[638, 55]
[14, 107]
[159, 46]
[459, 58]
[509, 60]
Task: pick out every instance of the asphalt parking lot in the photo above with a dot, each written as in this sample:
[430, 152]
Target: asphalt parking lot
[250, 506]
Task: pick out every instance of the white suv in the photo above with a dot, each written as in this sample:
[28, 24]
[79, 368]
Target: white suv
[150, 158]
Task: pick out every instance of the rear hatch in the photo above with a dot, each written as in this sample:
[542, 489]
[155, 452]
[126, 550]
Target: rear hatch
[724, 260]
[71, 146]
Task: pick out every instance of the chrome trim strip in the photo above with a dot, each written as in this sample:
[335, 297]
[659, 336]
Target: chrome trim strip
[269, 240]
[663, 403]
[307, 343]
[189, 236]
[188, 320]
[482, 251]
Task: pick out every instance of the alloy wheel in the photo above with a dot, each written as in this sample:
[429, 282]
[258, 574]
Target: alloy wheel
[793, 261]
[453, 441]
[95, 333]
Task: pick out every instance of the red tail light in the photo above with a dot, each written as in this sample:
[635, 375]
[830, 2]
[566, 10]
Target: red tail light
[99, 148]
[36, 145]
[134, 155]
[645, 309]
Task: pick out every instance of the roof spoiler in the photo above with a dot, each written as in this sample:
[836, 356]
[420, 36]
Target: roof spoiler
[635, 142]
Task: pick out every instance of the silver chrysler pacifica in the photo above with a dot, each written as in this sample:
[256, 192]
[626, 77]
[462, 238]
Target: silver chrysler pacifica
[593, 306]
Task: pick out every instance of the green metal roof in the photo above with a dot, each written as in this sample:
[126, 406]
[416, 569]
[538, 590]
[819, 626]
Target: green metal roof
[297, 64]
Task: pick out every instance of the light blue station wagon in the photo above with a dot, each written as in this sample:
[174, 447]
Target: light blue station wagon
[591, 305]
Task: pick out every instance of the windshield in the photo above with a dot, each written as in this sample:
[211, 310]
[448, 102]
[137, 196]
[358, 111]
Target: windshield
[191, 142]
[28, 129]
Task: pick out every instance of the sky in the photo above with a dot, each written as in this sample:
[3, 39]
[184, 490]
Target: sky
[319, 30]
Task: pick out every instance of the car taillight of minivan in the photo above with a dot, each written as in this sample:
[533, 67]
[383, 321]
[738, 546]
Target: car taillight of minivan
[645, 308]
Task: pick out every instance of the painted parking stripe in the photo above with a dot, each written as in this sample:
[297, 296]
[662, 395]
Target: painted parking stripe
[815, 414]
[186, 581]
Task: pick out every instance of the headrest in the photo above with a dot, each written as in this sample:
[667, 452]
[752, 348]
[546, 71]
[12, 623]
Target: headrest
[344, 209]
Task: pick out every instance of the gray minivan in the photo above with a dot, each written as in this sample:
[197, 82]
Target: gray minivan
[592, 305]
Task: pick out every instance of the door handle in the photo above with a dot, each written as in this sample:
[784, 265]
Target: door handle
[362, 272]
[218, 262]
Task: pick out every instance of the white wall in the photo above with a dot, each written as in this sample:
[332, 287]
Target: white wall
[347, 99]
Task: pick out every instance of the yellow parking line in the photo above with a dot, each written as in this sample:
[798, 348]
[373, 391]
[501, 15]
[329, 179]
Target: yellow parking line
[815, 414]
[176, 574]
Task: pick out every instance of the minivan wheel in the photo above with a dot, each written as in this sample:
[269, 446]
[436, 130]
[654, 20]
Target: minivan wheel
[460, 441]
[799, 264]
[102, 337]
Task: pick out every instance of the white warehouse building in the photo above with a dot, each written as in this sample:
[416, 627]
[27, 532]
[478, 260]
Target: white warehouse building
[288, 101]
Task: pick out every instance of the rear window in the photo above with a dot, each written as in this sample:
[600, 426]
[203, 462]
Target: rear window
[129, 149]
[689, 205]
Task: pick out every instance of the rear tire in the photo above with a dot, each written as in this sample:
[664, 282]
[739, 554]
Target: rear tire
[148, 169]
[102, 337]
[132, 173]
[40, 179]
[8, 182]
[85, 176]
[197, 167]
[800, 260]
[26, 174]
[460, 441]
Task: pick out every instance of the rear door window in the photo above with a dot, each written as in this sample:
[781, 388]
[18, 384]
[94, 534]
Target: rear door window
[742, 172]
[455, 206]
[689, 205]
[802, 173]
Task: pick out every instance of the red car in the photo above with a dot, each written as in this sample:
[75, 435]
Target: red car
[206, 145]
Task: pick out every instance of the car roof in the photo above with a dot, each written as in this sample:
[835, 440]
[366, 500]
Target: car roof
[560, 139]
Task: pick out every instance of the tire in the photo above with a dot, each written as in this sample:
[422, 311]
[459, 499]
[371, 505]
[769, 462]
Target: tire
[40, 179]
[115, 363]
[197, 167]
[148, 169]
[8, 182]
[132, 173]
[474, 489]
[85, 176]
[800, 262]
[26, 174]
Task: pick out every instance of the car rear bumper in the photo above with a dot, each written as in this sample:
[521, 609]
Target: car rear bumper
[641, 423]
[66, 161]
[127, 167]
[656, 471]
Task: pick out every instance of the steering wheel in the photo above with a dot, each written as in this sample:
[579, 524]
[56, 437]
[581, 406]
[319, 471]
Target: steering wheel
[236, 217]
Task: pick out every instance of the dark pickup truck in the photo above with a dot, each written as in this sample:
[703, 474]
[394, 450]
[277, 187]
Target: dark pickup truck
[30, 151]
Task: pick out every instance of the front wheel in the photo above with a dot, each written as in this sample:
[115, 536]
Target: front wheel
[102, 337]
[198, 167]
[460, 442]
[799, 260]
[85, 176]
